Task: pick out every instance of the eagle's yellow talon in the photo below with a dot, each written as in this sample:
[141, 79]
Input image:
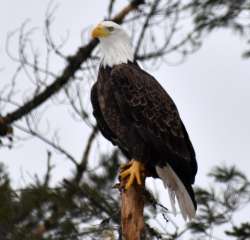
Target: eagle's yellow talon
[133, 172]
[125, 173]
[138, 177]
[125, 166]
[130, 182]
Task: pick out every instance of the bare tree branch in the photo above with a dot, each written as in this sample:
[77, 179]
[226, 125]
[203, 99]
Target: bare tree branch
[83, 164]
[74, 64]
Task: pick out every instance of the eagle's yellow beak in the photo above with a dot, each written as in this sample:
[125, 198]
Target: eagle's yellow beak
[99, 31]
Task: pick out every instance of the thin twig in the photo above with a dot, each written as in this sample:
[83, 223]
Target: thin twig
[83, 164]
[74, 64]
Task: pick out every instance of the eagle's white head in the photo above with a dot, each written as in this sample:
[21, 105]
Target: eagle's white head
[114, 43]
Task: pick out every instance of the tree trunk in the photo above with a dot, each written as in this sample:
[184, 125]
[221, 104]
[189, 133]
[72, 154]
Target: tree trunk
[132, 205]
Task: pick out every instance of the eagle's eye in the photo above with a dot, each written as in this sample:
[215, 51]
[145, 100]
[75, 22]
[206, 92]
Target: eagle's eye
[111, 29]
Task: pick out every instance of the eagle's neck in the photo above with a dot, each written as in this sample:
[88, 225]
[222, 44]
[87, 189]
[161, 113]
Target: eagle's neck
[116, 50]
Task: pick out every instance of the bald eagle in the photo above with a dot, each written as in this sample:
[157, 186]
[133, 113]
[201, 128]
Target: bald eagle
[134, 112]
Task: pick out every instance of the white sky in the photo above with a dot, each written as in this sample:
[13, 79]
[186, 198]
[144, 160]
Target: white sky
[211, 90]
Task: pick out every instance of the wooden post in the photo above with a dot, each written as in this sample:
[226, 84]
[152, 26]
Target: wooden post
[132, 205]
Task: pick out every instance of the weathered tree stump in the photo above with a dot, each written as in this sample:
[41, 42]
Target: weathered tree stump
[132, 205]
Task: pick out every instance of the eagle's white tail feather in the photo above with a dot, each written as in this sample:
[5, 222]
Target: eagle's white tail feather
[178, 190]
[172, 198]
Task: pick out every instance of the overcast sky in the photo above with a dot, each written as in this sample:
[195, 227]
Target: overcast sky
[211, 90]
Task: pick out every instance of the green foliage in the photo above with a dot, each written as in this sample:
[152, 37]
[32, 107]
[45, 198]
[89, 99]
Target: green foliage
[218, 204]
[91, 210]
[210, 14]
[241, 233]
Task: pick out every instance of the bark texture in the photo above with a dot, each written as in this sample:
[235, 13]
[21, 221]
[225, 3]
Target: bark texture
[132, 205]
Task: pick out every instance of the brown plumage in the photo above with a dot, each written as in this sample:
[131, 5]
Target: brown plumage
[135, 113]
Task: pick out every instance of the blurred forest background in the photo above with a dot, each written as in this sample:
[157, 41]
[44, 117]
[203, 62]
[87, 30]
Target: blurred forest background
[83, 203]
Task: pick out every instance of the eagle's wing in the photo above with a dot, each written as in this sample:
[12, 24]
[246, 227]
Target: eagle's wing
[153, 112]
[101, 123]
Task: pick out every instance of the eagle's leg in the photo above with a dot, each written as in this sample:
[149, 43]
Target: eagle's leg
[133, 171]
